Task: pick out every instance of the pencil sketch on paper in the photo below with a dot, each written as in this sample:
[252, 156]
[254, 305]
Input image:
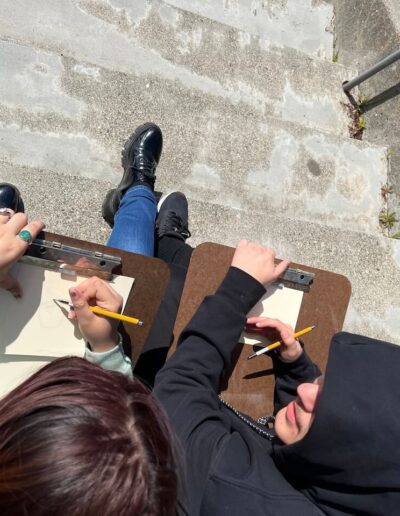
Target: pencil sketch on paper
[34, 328]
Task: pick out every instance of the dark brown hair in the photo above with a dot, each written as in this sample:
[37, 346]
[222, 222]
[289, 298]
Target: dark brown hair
[78, 440]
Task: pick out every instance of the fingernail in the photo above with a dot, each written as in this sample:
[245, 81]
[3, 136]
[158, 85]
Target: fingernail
[285, 334]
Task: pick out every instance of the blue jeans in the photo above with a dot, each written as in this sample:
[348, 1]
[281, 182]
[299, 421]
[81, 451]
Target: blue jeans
[134, 222]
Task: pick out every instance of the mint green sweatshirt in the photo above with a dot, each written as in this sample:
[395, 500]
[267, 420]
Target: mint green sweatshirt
[113, 360]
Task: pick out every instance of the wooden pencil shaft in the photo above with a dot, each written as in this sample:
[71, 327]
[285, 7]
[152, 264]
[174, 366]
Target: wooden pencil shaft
[114, 315]
[107, 313]
[280, 342]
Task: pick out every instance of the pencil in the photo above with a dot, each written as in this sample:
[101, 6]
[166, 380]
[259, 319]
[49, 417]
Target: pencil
[279, 342]
[107, 313]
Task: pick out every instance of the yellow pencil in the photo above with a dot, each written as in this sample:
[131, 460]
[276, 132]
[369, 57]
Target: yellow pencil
[107, 313]
[280, 342]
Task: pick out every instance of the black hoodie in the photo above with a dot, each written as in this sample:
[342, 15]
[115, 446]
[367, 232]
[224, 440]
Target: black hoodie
[349, 461]
[231, 470]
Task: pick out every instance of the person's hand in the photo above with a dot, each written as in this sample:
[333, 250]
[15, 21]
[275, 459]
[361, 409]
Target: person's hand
[100, 332]
[258, 261]
[12, 247]
[290, 349]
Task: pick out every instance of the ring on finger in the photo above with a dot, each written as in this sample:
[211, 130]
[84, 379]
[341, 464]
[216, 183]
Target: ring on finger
[6, 212]
[26, 236]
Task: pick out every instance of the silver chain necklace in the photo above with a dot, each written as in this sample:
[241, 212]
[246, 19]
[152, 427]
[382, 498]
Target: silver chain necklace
[262, 420]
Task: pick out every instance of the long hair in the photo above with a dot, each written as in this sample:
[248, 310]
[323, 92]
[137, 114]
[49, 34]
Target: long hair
[78, 440]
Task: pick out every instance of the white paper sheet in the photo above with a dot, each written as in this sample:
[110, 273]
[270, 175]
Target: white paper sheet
[279, 302]
[34, 330]
[36, 325]
[14, 369]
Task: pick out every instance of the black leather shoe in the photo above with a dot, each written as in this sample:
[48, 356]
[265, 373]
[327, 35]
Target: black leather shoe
[140, 157]
[11, 198]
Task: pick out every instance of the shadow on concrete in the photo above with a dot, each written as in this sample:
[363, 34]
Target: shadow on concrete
[376, 101]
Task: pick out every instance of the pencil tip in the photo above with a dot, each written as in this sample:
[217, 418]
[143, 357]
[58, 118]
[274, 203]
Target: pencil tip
[251, 356]
[61, 301]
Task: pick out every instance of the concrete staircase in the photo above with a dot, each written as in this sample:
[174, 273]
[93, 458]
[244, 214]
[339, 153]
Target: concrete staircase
[252, 112]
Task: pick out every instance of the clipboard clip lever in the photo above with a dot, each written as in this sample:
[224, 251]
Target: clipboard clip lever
[71, 261]
[297, 279]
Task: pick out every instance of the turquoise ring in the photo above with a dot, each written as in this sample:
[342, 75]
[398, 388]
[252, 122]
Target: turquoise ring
[25, 236]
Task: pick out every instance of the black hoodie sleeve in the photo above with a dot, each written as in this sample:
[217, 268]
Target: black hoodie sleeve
[189, 382]
[288, 375]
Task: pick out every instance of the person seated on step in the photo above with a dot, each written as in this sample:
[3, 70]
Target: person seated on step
[75, 438]
[139, 225]
[324, 454]
[142, 225]
[16, 234]
[333, 448]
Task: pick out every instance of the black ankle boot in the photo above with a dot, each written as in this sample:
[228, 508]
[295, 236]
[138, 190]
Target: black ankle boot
[11, 198]
[140, 157]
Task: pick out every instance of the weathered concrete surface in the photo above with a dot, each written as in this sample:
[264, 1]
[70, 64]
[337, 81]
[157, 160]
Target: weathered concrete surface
[71, 206]
[252, 125]
[176, 45]
[229, 152]
[267, 161]
[366, 32]
[304, 25]
[393, 8]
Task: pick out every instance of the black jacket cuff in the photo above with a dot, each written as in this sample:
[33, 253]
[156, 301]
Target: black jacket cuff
[241, 290]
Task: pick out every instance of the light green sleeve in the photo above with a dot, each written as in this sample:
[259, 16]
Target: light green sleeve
[113, 360]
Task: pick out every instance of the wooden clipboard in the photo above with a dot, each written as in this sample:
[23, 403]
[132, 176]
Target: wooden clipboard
[151, 279]
[250, 385]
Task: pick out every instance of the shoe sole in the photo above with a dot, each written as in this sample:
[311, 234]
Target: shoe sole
[109, 207]
[161, 201]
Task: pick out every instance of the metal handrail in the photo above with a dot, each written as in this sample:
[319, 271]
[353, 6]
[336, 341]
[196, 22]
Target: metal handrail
[348, 85]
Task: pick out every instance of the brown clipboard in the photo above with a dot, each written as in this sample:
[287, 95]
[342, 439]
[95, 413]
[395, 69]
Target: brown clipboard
[151, 279]
[250, 385]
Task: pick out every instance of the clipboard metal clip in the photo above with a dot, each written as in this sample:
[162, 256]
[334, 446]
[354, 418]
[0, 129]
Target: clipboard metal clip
[297, 279]
[71, 261]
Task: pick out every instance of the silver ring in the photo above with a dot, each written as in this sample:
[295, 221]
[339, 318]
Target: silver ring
[7, 212]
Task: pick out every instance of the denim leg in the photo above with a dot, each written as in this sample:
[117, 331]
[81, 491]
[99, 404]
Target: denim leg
[134, 222]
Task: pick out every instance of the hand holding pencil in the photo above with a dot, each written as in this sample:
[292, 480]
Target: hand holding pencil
[100, 332]
[290, 349]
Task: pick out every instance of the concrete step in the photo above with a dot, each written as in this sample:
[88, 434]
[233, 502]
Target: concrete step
[71, 205]
[163, 42]
[227, 154]
[281, 82]
[305, 25]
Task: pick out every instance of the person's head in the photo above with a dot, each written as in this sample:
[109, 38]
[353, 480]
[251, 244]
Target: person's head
[78, 440]
[348, 460]
[294, 421]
